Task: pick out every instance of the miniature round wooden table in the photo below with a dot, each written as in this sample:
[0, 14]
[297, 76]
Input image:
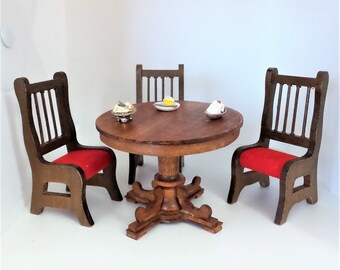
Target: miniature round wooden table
[169, 135]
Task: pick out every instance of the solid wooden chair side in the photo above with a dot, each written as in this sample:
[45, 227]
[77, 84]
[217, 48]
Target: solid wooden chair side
[42, 135]
[310, 138]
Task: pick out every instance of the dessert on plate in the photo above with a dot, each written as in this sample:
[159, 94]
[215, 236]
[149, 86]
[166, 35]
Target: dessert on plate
[123, 111]
[168, 101]
[121, 107]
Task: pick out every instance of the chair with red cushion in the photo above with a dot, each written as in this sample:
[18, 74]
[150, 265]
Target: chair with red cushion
[292, 114]
[47, 126]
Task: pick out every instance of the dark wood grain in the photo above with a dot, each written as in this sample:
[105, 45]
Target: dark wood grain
[299, 134]
[169, 135]
[182, 132]
[45, 110]
[148, 91]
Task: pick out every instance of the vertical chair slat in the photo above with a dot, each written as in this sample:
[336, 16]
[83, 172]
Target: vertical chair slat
[148, 90]
[42, 140]
[303, 134]
[47, 122]
[286, 109]
[172, 86]
[155, 88]
[53, 114]
[296, 102]
[278, 108]
[163, 89]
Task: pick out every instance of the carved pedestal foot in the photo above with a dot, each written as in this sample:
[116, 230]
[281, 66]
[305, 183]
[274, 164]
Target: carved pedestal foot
[169, 201]
[139, 194]
[194, 189]
[171, 205]
[200, 216]
[147, 217]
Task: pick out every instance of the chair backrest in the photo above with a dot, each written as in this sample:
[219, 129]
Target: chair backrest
[154, 85]
[293, 109]
[46, 117]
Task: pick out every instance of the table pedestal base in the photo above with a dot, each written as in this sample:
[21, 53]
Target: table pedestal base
[169, 201]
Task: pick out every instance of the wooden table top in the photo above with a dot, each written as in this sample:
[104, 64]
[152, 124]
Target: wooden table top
[184, 131]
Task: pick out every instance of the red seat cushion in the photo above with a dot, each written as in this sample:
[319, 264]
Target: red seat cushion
[91, 161]
[264, 160]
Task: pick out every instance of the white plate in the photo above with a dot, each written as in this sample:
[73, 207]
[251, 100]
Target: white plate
[165, 108]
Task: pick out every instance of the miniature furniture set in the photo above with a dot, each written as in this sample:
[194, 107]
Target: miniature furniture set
[292, 114]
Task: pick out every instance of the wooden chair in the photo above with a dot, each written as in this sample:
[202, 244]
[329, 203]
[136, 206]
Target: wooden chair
[154, 85]
[48, 125]
[292, 114]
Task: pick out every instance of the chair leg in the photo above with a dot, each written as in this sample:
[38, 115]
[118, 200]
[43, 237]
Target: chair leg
[236, 184]
[311, 182]
[140, 160]
[285, 201]
[241, 179]
[132, 168]
[107, 180]
[78, 202]
[38, 188]
[181, 163]
[75, 201]
[282, 211]
[134, 161]
[83, 213]
[264, 181]
[110, 183]
[290, 195]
